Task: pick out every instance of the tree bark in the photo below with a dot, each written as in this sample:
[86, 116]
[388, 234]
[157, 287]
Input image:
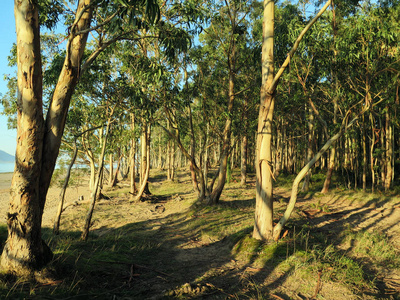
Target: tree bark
[111, 174]
[144, 188]
[93, 194]
[389, 150]
[59, 104]
[364, 159]
[332, 156]
[226, 143]
[310, 143]
[25, 250]
[115, 177]
[293, 197]
[56, 227]
[132, 159]
[263, 221]
[243, 160]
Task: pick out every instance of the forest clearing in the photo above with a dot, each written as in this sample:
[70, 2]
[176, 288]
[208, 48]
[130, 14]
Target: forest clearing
[340, 245]
[221, 149]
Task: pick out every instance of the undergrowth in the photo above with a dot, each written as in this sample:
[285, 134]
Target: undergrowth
[206, 251]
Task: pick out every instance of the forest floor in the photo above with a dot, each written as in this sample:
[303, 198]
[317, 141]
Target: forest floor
[340, 245]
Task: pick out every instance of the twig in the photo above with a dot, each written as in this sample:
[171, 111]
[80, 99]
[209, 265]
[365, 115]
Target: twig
[318, 287]
[277, 297]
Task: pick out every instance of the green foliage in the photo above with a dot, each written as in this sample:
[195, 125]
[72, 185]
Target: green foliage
[49, 12]
[375, 246]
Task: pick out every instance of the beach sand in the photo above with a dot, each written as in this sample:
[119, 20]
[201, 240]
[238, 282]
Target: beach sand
[50, 210]
[5, 181]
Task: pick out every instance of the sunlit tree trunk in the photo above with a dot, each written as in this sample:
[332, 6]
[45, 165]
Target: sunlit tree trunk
[389, 150]
[263, 222]
[310, 142]
[172, 160]
[56, 226]
[371, 153]
[132, 159]
[111, 164]
[144, 185]
[95, 191]
[226, 143]
[168, 163]
[24, 250]
[332, 156]
[58, 109]
[243, 160]
[145, 160]
[364, 159]
[115, 177]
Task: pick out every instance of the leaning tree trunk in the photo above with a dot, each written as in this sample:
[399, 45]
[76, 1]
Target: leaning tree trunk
[115, 178]
[216, 193]
[59, 104]
[56, 226]
[293, 197]
[93, 194]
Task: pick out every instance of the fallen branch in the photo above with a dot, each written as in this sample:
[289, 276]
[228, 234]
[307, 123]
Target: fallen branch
[318, 287]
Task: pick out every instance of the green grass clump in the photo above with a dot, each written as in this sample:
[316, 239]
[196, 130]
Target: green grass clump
[375, 246]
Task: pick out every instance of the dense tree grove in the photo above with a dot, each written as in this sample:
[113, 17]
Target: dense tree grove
[173, 84]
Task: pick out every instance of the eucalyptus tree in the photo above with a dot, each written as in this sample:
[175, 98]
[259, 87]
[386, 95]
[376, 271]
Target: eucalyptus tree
[39, 139]
[370, 48]
[263, 226]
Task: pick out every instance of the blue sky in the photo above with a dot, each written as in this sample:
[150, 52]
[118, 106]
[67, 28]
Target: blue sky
[8, 37]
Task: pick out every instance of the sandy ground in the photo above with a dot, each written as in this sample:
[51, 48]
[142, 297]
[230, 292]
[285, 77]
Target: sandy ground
[5, 181]
[50, 210]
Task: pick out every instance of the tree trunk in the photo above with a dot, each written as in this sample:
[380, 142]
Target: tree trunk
[364, 159]
[25, 250]
[168, 163]
[332, 156]
[145, 160]
[115, 177]
[216, 193]
[111, 175]
[296, 182]
[160, 166]
[389, 150]
[132, 158]
[243, 161]
[56, 227]
[172, 160]
[144, 187]
[92, 171]
[310, 143]
[263, 221]
[93, 194]
[59, 104]
[371, 153]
